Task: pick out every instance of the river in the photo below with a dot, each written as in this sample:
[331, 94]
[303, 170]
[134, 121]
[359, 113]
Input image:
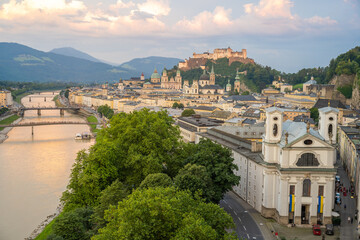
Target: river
[34, 170]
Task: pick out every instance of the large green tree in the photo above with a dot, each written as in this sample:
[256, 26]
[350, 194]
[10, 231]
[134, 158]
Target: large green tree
[106, 111]
[156, 180]
[196, 179]
[163, 214]
[218, 163]
[134, 146]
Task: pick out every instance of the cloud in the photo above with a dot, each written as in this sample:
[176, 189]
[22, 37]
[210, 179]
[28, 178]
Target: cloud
[268, 17]
[120, 4]
[271, 8]
[207, 22]
[155, 7]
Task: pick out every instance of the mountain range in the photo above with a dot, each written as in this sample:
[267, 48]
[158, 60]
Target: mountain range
[24, 64]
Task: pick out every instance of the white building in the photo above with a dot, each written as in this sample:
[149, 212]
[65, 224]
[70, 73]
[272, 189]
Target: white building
[291, 179]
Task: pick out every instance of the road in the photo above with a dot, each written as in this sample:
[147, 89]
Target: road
[245, 226]
[347, 230]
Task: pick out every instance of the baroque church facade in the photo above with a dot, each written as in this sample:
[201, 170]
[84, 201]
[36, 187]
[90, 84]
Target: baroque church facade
[291, 176]
[205, 87]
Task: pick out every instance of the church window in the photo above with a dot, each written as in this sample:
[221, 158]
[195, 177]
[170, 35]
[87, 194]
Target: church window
[306, 188]
[275, 130]
[292, 189]
[331, 118]
[308, 142]
[321, 190]
[307, 160]
[330, 130]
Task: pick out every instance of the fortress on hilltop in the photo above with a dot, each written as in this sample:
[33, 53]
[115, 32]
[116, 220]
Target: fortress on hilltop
[199, 59]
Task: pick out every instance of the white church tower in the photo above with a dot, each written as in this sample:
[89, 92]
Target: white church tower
[328, 124]
[273, 132]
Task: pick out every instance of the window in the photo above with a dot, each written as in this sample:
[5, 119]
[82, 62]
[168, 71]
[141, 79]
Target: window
[330, 130]
[321, 190]
[308, 142]
[331, 118]
[275, 130]
[307, 160]
[292, 189]
[306, 188]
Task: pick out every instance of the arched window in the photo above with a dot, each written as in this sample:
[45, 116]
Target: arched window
[330, 130]
[275, 130]
[307, 160]
[306, 188]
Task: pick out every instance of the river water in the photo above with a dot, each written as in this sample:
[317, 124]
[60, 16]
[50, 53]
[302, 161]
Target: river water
[34, 170]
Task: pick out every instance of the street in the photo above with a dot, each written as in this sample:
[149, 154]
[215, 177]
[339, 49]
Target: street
[347, 230]
[245, 226]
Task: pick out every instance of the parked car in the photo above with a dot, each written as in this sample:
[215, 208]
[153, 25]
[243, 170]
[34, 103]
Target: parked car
[316, 230]
[329, 229]
[337, 178]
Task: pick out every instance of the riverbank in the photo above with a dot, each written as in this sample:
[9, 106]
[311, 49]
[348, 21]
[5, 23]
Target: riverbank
[4, 131]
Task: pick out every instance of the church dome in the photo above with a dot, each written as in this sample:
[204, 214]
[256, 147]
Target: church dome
[204, 76]
[155, 74]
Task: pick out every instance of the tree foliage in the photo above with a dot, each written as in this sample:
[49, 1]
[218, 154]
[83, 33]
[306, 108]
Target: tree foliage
[134, 146]
[156, 180]
[165, 213]
[74, 225]
[106, 111]
[178, 105]
[218, 163]
[314, 114]
[196, 179]
[187, 112]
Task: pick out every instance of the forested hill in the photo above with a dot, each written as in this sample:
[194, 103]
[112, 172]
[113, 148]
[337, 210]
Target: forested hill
[347, 63]
[256, 79]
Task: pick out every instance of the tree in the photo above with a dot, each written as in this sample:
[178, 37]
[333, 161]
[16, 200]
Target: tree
[74, 225]
[181, 106]
[156, 180]
[187, 112]
[314, 114]
[245, 93]
[195, 178]
[175, 105]
[218, 163]
[110, 196]
[66, 94]
[165, 213]
[106, 111]
[134, 146]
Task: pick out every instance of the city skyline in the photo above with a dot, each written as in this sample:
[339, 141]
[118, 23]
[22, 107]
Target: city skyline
[286, 35]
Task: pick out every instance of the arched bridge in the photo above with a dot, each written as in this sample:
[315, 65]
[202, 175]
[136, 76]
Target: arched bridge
[62, 109]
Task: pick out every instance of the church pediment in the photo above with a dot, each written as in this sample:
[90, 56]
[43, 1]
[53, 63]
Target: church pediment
[308, 141]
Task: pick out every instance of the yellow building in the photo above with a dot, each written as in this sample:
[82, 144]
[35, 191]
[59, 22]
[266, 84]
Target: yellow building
[270, 91]
[5, 98]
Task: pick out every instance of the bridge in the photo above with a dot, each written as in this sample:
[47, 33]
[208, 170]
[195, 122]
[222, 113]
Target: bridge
[41, 96]
[62, 109]
[32, 124]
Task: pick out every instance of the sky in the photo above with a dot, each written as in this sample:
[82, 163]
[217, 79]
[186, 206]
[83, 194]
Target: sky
[287, 35]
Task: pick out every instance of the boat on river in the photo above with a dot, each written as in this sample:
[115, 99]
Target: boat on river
[83, 136]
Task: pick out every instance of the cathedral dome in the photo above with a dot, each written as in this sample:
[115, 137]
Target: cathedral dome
[204, 76]
[155, 74]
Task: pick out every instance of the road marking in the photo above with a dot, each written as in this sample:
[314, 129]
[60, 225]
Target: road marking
[244, 227]
[235, 213]
[230, 207]
[245, 211]
[239, 219]
[248, 236]
[225, 201]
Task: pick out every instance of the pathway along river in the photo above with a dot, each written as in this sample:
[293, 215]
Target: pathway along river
[34, 170]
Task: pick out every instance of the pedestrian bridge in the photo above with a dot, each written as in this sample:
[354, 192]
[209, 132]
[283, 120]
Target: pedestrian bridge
[31, 124]
[62, 109]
